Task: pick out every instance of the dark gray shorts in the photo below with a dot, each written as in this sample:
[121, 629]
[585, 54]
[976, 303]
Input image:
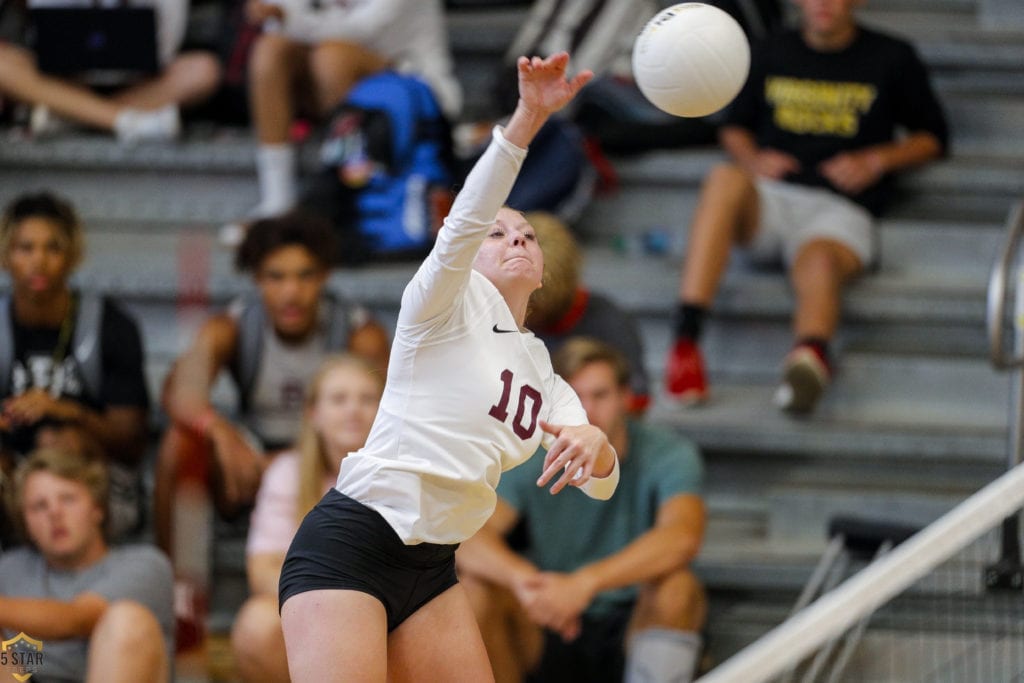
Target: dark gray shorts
[345, 545]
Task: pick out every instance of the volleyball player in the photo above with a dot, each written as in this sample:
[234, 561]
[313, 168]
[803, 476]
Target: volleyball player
[368, 590]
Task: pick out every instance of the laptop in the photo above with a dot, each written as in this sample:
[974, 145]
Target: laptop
[76, 41]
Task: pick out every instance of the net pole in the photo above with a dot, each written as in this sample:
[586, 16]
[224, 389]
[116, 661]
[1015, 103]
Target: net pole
[861, 594]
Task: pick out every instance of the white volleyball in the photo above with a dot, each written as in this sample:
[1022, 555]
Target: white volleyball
[691, 59]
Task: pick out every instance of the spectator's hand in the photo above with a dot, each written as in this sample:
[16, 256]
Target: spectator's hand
[771, 163]
[557, 601]
[241, 467]
[257, 11]
[543, 86]
[854, 172]
[34, 405]
[574, 453]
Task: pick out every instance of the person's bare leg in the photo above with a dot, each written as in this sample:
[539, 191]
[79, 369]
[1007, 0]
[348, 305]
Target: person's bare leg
[257, 642]
[513, 643]
[127, 646]
[726, 214]
[337, 635]
[188, 80]
[337, 66]
[22, 80]
[676, 601]
[818, 273]
[274, 67]
[181, 454]
[440, 642]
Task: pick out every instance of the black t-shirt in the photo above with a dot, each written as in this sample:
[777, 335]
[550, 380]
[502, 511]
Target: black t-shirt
[123, 382]
[815, 105]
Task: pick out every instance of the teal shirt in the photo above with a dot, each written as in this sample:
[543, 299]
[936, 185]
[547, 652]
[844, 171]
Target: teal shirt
[570, 530]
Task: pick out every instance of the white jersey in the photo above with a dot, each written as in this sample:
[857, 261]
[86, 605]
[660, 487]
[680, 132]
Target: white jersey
[409, 33]
[466, 388]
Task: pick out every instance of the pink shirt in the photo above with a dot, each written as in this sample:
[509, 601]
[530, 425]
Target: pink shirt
[273, 522]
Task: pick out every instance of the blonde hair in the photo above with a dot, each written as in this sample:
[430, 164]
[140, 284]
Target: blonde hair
[88, 470]
[49, 207]
[562, 265]
[313, 461]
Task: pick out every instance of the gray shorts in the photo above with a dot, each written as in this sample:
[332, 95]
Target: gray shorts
[793, 215]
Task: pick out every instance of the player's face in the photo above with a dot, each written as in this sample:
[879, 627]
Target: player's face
[510, 254]
[37, 258]
[290, 281]
[344, 411]
[606, 402]
[62, 519]
[827, 17]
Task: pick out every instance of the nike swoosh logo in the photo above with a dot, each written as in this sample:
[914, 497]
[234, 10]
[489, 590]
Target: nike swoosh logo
[498, 330]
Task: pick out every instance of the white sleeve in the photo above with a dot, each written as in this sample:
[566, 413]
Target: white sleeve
[602, 488]
[445, 272]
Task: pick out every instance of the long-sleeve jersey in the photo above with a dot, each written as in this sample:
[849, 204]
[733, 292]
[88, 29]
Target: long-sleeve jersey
[466, 389]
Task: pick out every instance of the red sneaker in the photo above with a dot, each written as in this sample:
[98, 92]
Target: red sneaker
[804, 378]
[685, 379]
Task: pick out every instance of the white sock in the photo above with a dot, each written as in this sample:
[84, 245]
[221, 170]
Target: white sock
[661, 655]
[137, 125]
[275, 168]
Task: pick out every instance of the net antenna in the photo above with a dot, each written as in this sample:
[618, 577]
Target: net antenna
[817, 626]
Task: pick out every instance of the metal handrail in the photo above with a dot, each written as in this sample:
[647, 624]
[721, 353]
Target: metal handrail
[997, 284]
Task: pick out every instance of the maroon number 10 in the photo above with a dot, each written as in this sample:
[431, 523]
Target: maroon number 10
[526, 393]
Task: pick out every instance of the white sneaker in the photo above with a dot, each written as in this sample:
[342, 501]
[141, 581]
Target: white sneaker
[156, 125]
[43, 123]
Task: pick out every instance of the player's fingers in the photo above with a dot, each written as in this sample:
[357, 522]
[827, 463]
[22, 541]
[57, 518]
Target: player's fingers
[580, 80]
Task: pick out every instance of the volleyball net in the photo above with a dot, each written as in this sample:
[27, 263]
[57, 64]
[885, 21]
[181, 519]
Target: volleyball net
[943, 605]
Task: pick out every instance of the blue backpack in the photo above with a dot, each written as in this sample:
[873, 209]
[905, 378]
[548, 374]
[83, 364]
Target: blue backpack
[386, 152]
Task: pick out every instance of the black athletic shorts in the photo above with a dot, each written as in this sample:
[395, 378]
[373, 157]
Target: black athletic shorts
[345, 545]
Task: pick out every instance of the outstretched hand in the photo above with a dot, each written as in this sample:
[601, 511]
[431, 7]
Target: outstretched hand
[543, 90]
[543, 85]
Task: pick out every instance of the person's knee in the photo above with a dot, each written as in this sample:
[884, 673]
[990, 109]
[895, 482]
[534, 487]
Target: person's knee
[822, 262]
[199, 70]
[270, 57]
[256, 633]
[675, 601]
[16, 60]
[128, 628]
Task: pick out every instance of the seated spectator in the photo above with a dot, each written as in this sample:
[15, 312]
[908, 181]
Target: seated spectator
[601, 588]
[103, 613]
[320, 51]
[564, 307]
[271, 345]
[146, 109]
[813, 138]
[67, 358]
[340, 407]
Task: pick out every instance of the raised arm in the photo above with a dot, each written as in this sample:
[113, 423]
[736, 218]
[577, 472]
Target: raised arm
[543, 90]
